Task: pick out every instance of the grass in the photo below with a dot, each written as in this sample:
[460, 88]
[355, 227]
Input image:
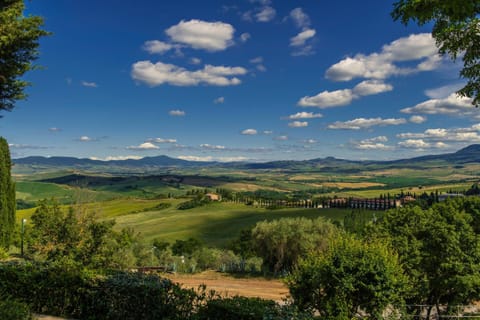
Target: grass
[215, 224]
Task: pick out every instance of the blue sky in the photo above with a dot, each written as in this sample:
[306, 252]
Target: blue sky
[227, 80]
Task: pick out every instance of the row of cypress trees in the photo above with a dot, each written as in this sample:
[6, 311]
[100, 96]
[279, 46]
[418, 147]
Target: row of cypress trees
[7, 196]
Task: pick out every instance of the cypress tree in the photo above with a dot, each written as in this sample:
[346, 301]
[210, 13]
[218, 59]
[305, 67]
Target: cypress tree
[7, 196]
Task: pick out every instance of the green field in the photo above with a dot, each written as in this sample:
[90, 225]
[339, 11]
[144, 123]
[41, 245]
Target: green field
[215, 224]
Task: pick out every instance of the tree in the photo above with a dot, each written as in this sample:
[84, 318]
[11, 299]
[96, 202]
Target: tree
[282, 242]
[456, 30]
[7, 196]
[439, 249]
[351, 278]
[19, 37]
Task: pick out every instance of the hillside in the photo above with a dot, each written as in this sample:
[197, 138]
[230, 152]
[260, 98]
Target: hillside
[470, 154]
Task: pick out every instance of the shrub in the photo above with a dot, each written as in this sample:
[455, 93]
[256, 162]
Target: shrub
[14, 310]
[236, 308]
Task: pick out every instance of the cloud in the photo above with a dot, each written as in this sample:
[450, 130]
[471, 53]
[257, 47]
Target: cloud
[163, 73]
[211, 147]
[298, 124]
[281, 138]
[85, 139]
[265, 14]
[244, 37]
[444, 91]
[310, 141]
[219, 100]
[381, 65]
[256, 60]
[327, 99]
[267, 132]
[54, 129]
[414, 144]
[89, 84]
[117, 158]
[362, 123]
[304, 115]
[198, 34]
[337, 98]
[451, 105]
[195, 61]
[371, 87]
[465, 135]
[249, 132]
[376, 143]
[176, 113]
[210, 158]
[417, 119]
[300, 39]
[157, 47]
[25, 146]
[144, 146]
[300, 18]
[162, 140]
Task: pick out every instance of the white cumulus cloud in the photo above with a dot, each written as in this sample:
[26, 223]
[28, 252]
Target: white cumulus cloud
[198, 34]
[417, 119]
[155, 74]
[381, 65]
[144, 146]
[451, 105]
[362, 123]
[302, 37]
[304, 115]
[298, 124]
[249, 132]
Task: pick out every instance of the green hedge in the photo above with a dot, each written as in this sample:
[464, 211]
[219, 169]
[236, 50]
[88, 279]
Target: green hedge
[81, 295]
[69, 292]
[14, 310]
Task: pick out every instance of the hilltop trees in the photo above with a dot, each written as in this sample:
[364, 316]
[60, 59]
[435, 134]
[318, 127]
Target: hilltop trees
[456, 30]
[19, 37]
[7, 196]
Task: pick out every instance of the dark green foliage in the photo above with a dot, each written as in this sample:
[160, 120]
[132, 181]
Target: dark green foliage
[70, 292]
[7, 195]
[439, 249]
[14, 310]
[22, 204]
[63, 290]
[282, 242]
[349, 278]
[76, 235]
[243, 245]
[18, 47]
[186, 247]
[242, 308]
[198, 201]
[456, 31]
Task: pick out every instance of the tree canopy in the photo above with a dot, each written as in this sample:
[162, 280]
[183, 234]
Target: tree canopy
[351, 278]
[456, 29]
[19, 37]
[439, 249]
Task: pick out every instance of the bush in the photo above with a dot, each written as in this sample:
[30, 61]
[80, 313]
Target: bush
[14, 310]
[69, 292]
[242, 308]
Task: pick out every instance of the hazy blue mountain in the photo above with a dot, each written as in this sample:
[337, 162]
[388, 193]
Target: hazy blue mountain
[469, 154]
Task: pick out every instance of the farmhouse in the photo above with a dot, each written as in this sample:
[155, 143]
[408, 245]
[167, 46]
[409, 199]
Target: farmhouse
[213, 196]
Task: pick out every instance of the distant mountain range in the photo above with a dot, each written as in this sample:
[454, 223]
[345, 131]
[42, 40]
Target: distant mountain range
[470, 154]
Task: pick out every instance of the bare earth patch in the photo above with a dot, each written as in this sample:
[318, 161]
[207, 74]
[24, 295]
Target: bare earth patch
[229, 286]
